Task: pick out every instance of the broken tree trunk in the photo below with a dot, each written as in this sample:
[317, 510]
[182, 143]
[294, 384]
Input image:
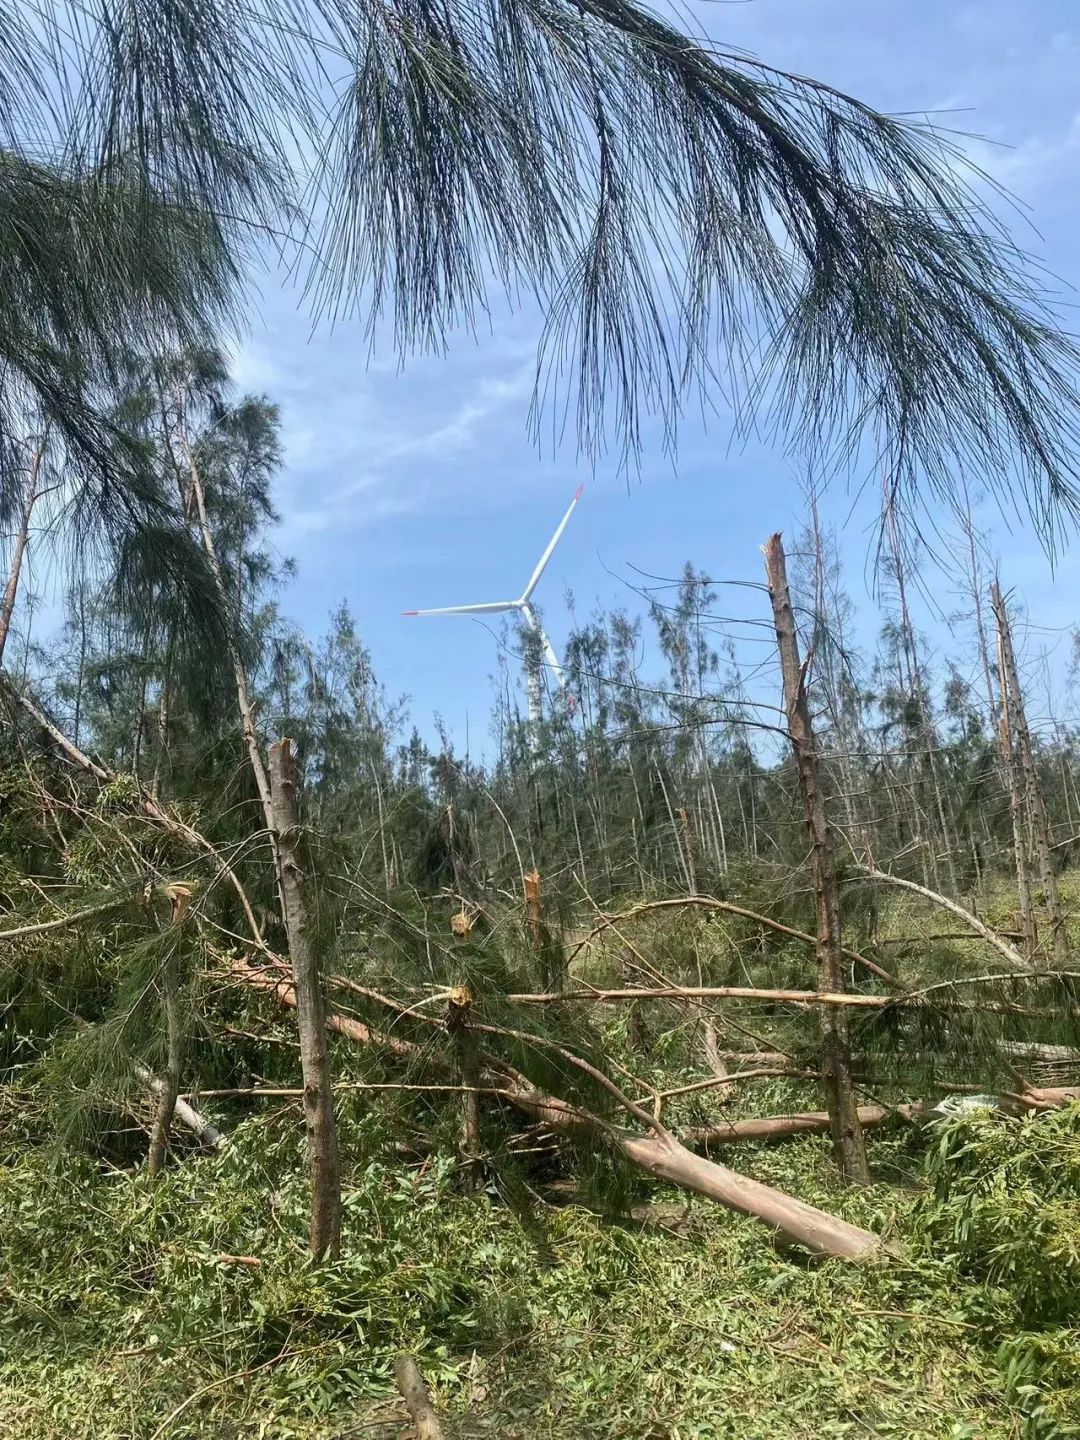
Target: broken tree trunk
[168, 1087]
[786, 1127]
[310, 1011]
[848, 1143]
[661, 1155]
[656, 1152]
[417, 1399]
[467, 1058]
[1034, 804]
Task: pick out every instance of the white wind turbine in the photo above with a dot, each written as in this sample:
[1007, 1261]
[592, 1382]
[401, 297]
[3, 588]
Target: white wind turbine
[523, 605]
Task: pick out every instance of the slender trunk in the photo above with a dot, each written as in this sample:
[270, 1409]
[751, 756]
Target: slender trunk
[1033, 795]
[467, 1058]
[1016, 792]
[161, 756]
[310, 1012]
[848, 1143]
[243, 695]
[688, 846]
[175, 1038]
[18, 554]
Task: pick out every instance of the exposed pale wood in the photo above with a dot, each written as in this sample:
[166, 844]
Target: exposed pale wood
[209, 1135]
[703, 992]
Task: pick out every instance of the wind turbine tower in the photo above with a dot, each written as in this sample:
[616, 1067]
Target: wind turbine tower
[524, 607]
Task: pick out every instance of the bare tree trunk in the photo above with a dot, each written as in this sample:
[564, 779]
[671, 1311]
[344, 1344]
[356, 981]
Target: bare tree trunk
[1035, 805]
[310, 1012]
[170, 1080]
[18, 554]
[848, 1143]
[467, 1056]
[243, 695]
[1016, 812]
[417, 1400]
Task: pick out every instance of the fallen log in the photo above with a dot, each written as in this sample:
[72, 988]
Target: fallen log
[658, 1152]
[208, 1134]
[417, 1399]
[816, 1122]
[786, 1127]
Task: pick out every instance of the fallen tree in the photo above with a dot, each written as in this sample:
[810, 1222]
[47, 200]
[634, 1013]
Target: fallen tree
[816, 1122]
[200, 1127]
[655, 1150]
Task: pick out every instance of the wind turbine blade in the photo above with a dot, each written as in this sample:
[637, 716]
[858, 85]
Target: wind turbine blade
[541, 566]
[491, 608]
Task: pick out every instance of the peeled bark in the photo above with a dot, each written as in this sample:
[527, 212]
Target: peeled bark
[310, 1013]
[848, 1143]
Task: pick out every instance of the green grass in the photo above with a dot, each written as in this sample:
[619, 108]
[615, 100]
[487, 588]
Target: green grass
[118, 1319]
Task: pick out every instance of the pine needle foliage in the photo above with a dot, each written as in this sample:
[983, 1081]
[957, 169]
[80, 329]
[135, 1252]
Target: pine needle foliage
[684, 214]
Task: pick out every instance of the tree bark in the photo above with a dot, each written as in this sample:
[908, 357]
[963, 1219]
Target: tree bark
[170, 1081]
[417, 1399]
[310, 1012]
[848, 1143]
[786, 1127]
[467, 1057]
[1034, 803]
[243, 695]
[18, 554]
[1016, 810]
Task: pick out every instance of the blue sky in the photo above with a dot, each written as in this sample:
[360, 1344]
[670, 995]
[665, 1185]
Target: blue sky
[419, 486]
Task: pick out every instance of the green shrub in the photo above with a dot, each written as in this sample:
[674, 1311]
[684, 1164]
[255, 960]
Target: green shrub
[1005, 1201]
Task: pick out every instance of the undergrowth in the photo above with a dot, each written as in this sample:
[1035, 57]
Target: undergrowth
[133, 1311]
